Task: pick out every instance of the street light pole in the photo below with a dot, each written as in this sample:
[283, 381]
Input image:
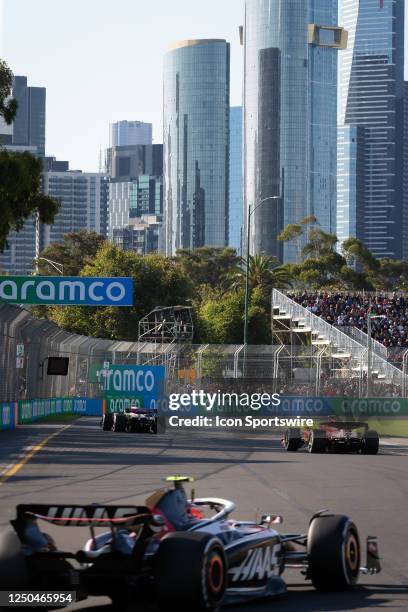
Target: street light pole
[250, 213]
[59, 267]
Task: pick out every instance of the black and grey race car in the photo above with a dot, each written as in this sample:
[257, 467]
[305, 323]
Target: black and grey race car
[178, 553]
[133, 420]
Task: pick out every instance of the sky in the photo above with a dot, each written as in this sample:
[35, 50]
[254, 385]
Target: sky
[102, 61]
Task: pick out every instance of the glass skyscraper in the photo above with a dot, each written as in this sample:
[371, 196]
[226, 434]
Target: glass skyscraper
[29, 124]
[371, 93]
[236, 200]
[196, 143]
[290, 117]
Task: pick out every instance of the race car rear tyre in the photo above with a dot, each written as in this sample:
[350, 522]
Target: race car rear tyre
[119, 422]
[190, 572]
[370, 444]
[334, 554]
[107, 421]
[293, 439]
[14, 574]
[317, 441]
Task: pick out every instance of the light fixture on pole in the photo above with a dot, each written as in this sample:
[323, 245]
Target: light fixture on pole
[250, 213]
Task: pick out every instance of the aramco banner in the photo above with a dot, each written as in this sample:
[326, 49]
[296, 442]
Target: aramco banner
[66, 290]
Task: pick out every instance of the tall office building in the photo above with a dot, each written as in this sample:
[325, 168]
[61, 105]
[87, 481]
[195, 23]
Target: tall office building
[290, 117]
[128, 133]
[196, 143]
[371, 93]
[84, 204]
[236, 195]
[134, 199]
[350, 182]
[29, 123]
[405, 177]
[126, 163]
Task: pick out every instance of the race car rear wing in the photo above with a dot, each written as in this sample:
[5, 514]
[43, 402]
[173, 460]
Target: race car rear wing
[84, 516]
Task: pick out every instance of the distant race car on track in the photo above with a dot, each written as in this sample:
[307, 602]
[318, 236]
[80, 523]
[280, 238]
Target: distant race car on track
[178, 553]
[133, 420]
[334, 436]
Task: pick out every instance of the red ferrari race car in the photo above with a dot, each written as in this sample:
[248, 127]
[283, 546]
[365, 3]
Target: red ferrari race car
[334, 436]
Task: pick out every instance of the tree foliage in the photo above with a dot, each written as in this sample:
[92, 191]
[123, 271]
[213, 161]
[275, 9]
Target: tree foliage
[207, 266]
[157, 281]
[8, 106]
[76, 251]
[20, 193]
[20, 175]
[264, 273]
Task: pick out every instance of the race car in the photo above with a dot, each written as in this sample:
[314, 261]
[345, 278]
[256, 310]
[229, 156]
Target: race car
[334, 436]
[133, 420]
[177, 553]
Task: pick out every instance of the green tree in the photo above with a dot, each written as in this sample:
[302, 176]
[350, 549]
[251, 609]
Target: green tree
[207, 266]
[157, 282]
[8, 105]
[20, 193]
[264, 272]
[221, 318]
[294, 232]
[20, 175]
[77, 250]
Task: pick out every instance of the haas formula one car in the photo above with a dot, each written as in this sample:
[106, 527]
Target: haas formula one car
[133, 420]
[334, 436]
[179, 554]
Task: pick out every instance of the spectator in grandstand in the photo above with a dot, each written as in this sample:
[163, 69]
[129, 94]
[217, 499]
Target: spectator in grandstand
[391, 328]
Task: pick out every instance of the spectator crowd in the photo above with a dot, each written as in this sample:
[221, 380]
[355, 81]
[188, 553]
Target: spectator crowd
[390, 325]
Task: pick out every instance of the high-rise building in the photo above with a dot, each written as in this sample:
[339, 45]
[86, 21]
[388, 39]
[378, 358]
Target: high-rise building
[371, 93]
[133, 199]
[290, 117]
[84, 204]
[141, 235]
[196, 144]
[350, 182]
[405, 177]
[126, 163]
[236, 194]
[29, 123]
[128, 133]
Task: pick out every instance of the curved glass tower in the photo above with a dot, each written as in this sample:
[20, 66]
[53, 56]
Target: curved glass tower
[196, 144]
[290, 100]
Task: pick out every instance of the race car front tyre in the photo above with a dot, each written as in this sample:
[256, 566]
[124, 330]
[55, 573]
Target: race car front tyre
[333, 549]
[107, 422]
[317, 441]
[119, 422]
[14, 574]
[370, 444]
[293, 439]
[190, 572]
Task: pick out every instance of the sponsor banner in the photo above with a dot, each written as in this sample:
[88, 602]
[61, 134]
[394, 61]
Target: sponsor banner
[247, 404]
[66, 290]
[289, 406]
[6, 416]
[370, 407]
[30, 411]
[120, 404]
[129, 380]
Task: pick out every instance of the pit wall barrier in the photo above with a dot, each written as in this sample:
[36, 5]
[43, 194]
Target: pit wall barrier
[7, 415]
[30, 411]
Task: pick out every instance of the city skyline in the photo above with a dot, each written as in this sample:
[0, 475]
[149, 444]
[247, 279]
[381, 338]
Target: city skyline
[134, 56]
[28, 30]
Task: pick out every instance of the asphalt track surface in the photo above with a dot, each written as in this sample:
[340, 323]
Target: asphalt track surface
[83, 465]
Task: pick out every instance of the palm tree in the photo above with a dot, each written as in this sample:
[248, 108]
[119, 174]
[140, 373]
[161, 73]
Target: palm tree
[264, 272]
